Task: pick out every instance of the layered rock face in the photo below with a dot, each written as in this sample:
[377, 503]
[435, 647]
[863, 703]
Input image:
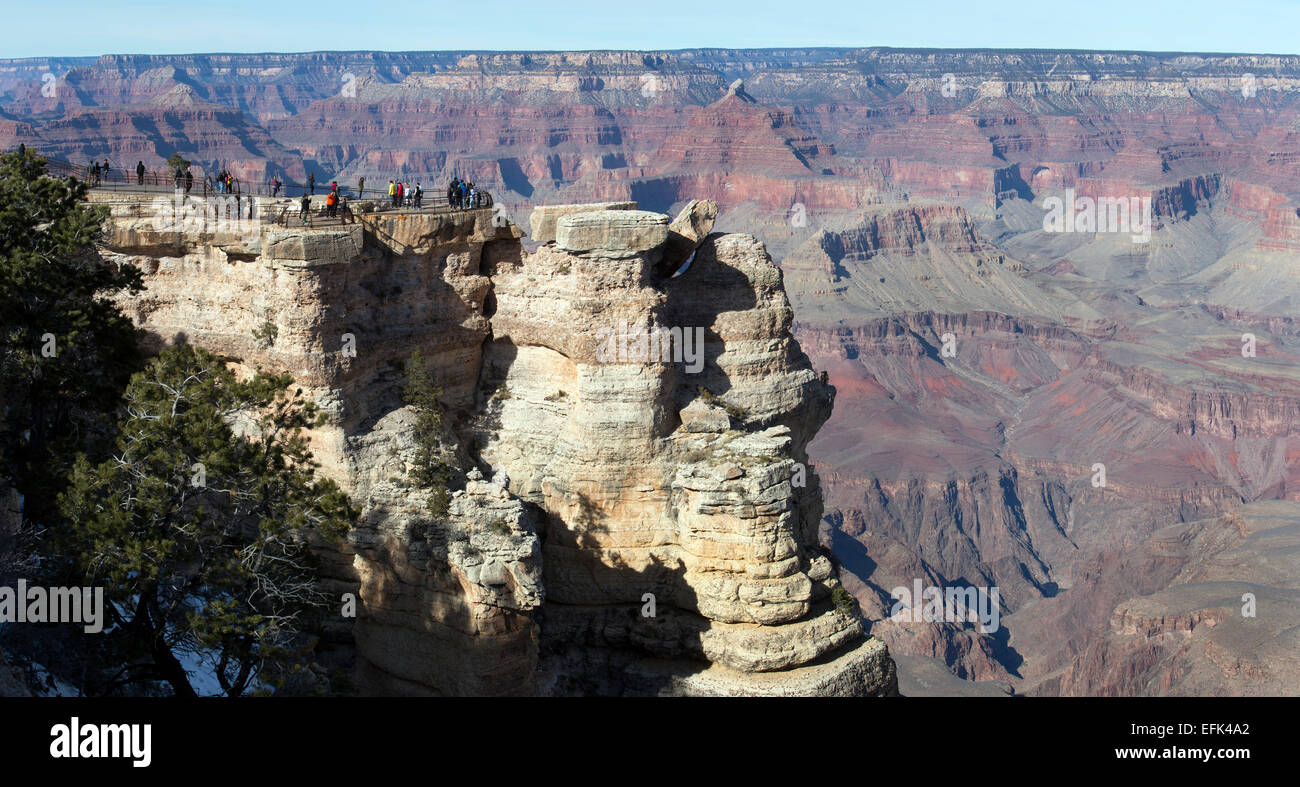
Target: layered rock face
[650, 523]
[702, 514]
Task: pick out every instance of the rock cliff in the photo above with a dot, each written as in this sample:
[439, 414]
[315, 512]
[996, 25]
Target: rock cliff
[632, 509]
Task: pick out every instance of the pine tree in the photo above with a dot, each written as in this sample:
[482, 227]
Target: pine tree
[66, 351]
[425, 398]
[198, 527]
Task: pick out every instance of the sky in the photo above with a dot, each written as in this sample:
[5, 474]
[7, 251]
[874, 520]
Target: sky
[61, 28]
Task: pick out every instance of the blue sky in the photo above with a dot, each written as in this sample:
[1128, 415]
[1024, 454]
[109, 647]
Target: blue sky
[61, 28]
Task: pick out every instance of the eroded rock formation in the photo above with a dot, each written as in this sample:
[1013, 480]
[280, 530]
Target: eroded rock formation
[650, 522]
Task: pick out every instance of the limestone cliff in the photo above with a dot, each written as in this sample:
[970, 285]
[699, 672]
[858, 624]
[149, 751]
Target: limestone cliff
[650, 525]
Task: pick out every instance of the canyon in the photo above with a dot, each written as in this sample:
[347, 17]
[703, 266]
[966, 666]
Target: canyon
[983, 367]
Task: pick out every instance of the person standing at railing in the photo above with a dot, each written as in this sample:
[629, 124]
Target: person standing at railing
[361, 188]
[275, 186]
[139, 174]
[419, 194]
[189, 181]
[311, 183]
[106, 170]
[305, 210]
[392, 191]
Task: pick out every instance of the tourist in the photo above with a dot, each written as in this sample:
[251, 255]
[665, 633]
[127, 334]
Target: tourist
[139, 174]
[451, 193]
[419, 194]
[105, 170]
[305, 210]
[392, 191]
[311, 183]
[361, 188]
[189, 181]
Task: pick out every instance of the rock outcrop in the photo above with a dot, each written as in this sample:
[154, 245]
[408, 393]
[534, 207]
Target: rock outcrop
[650, 525]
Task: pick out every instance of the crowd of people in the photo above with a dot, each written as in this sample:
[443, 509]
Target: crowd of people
[464, 196]
[401, 195]
[461, 194]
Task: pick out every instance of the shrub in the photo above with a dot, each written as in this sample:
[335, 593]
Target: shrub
[266, 334]
[844, 601]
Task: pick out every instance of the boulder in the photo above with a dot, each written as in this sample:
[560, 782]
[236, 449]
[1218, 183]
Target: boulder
[701, 417]
[544, 218]
[692, 225]
[613, 232]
